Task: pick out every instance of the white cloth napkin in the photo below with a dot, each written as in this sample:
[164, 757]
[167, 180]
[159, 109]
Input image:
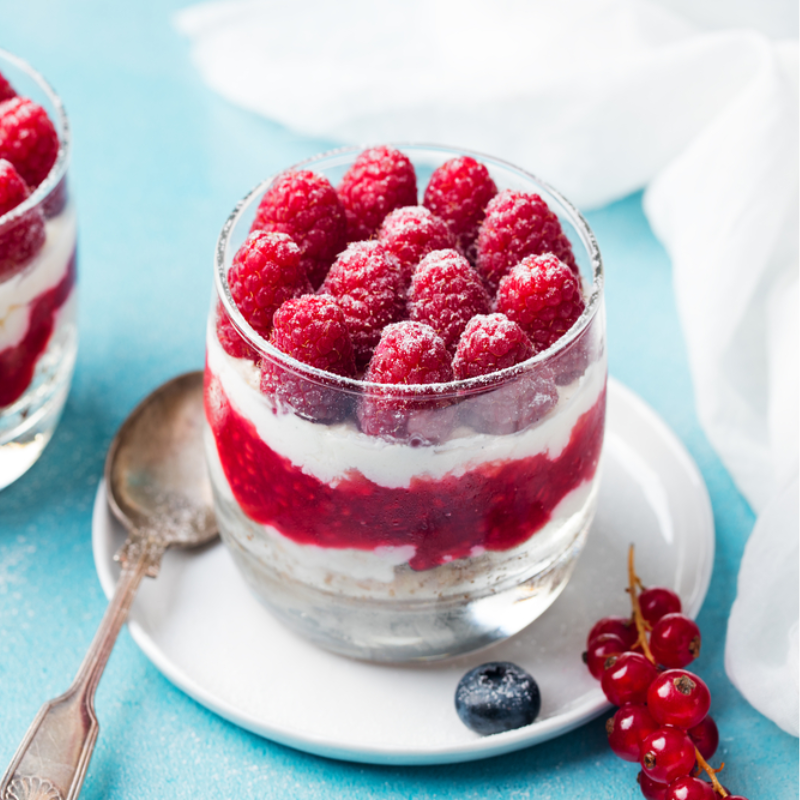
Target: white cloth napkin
[601, 98]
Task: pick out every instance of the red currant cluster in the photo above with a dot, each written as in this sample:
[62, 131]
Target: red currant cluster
[662, 722]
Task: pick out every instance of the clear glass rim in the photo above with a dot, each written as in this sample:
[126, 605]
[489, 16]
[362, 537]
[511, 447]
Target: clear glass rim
[59, 168]
[459, 387]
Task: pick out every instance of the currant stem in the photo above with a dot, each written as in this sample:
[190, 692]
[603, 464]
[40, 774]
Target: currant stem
[712, 773]
[641, 625]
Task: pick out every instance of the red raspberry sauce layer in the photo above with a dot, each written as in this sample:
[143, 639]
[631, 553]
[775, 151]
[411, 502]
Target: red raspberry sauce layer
[17, 363]
[496, 506]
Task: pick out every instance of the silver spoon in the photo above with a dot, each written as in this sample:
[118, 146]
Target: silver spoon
[158, 488]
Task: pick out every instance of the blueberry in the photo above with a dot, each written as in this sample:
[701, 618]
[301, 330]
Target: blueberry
[496, 697]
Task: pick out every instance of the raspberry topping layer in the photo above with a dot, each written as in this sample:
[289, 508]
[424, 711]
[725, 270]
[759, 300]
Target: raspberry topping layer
[543, 296]
[27, 139]
[458, 192]
[410, 233]
[368, 286]
[305, 206]
[380, 180]
[517, 225]
[446, 293]
[22, 238]
[266, 271]
[496, 506]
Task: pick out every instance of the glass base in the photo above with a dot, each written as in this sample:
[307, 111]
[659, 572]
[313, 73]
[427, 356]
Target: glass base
[416, 624]
[27, 425]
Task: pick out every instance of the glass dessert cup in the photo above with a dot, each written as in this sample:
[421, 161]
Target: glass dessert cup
[38, 299]
[454, 533]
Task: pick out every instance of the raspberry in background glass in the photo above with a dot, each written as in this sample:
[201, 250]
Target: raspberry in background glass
[402, 471]
[38, 298]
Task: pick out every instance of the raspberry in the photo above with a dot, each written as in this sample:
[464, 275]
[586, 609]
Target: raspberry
[410, 233]
[20, 238]
[266, 271]
[380, 180]
[230, 339]
[311, 329]
[517, 225]
[490, 342]
[446, 293]
[27, 139]
[6, 89]
[543, 296]
[367, 284]
[13, 189]
[409, 353]
[305, 206]
[459, 192]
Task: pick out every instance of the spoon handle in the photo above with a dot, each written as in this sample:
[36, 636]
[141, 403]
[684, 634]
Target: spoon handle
[52, 759]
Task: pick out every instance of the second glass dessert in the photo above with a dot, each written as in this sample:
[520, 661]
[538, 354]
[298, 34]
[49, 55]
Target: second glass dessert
[38, 297]
[404, 522]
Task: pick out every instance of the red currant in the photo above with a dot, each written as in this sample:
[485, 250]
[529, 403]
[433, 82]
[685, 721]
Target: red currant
[675, 641]
[628, 728]
[688, 788]
[601, 648]
[678, 697]
[621, 626]
[705, 737]
[652, 790]
[736, 797]
[667, 754]
[628, 679]
[658, 601]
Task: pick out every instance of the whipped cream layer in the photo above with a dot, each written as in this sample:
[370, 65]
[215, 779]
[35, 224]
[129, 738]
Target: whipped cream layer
[45, 271]
[329, 452]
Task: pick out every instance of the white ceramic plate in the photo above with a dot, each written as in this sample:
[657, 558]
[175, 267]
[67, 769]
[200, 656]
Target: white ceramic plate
[201, 627]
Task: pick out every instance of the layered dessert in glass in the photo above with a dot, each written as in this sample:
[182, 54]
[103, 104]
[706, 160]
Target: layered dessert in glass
[405, 395]
[38, 331]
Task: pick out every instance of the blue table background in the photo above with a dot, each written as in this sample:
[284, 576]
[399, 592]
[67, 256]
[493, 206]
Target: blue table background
[158, 162]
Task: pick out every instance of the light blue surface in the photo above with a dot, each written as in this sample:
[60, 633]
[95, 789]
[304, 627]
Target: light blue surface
[159, 161]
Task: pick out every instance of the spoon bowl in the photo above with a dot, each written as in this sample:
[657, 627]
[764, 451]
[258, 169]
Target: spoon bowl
[155, 471]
